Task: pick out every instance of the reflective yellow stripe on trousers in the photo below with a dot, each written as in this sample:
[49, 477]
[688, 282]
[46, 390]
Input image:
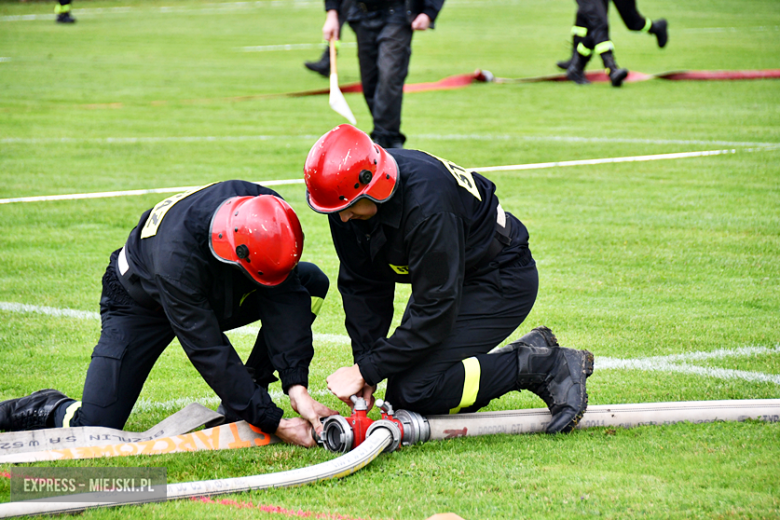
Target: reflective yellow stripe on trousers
[470, 384]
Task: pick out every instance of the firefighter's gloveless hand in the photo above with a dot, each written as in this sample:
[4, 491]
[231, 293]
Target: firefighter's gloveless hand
[295, 431]
[348, 381]
[307, 407]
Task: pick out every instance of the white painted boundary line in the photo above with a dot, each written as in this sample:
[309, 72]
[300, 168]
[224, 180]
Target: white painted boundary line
[587, 162]
[109, 194]
[678, 363]
[434, 137]
[292, 47]
[135, 140]
[87, 315]
[515, 167]
[214, 8]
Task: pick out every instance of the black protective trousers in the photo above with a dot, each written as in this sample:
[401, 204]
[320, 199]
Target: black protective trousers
[495, 302]
[631, 17]
[384, 41]
[136, 338]
[593, 15]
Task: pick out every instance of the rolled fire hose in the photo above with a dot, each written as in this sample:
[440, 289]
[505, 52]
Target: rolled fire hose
[379, 439]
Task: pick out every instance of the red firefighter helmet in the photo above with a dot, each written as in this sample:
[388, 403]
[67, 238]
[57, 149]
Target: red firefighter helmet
[345, 166]
[261, 235]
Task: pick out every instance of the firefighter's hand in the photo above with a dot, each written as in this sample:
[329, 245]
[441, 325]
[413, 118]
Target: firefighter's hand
[330, 31]
[346, 382]
[308, 408]
[421, 22]
[368, 394]
[295, 431]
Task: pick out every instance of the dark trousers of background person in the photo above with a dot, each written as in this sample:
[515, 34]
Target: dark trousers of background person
[384, 40]
[630, 15]
[592, 14]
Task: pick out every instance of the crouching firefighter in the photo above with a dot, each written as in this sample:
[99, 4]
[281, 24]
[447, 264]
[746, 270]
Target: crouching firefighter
[198, 264]
[405, 216]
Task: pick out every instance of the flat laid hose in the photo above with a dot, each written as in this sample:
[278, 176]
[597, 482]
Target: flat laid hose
[336, 468]
[610, 415]
[418, 429]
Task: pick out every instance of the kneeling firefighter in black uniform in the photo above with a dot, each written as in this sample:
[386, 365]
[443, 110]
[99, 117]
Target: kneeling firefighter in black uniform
[198, 264]
[405, 216]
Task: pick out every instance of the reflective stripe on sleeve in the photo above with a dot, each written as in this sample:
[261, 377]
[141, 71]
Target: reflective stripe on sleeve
[316, 304]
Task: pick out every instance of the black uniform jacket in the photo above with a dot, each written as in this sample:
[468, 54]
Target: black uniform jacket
[433, 233]
[169, 251]
[362, 8]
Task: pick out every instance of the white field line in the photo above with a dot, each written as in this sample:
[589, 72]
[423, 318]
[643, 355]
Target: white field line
[433, 137]
[88, 315]
[292, 47]
[135, 140]
[109, 194]
[759, 28]
[588, 162]
[215, 8]
[514, 167]
[679, 363]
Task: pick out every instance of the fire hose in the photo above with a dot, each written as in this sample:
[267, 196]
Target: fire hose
[362, 439]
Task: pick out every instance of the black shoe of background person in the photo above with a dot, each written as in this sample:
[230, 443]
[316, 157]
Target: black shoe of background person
[576, 71]
[659, 28]
[616, 74]
[322, 66]
[65, 18]
[563, 65]
[389, 142]
[34, 412]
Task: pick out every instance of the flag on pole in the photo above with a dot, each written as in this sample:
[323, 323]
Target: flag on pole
[336, 99]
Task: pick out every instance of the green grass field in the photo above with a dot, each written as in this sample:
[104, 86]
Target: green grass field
[656, 258]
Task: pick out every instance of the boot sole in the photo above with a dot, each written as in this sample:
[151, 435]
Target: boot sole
[588, 370]
[618, 79]
[586, 363]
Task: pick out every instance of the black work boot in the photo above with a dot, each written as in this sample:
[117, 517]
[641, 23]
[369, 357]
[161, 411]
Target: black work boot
[322, 66]
[616, 74]
[65, 18]
[564, 65]
[557, 375]
[576, 70]
[538, 337]
[659, 28]
[34, 412]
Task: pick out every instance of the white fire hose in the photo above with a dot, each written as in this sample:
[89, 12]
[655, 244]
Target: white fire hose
[336, 468]
[406, 428]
